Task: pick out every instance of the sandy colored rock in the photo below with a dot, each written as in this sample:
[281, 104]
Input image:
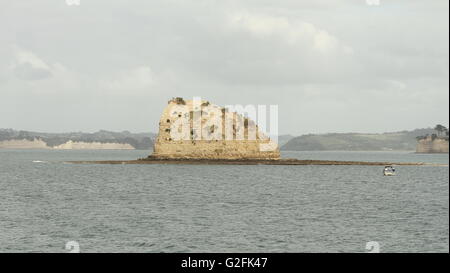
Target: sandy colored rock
[75, 145]
[69, 145]
[23, 144]
[201, 130]
[430, 145]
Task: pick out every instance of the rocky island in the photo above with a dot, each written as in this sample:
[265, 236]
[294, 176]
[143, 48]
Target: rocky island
[201, 130]
[198, 132]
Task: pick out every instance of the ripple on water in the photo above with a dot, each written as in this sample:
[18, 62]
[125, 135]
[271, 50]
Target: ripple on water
[176, 208]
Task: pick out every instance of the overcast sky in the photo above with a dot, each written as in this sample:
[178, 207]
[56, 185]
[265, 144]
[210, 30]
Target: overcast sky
[330, 65]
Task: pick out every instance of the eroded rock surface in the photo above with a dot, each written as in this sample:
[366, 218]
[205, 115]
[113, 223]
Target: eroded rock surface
[195, 129]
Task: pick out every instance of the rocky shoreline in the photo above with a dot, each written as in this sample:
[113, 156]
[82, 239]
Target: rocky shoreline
[151, 160]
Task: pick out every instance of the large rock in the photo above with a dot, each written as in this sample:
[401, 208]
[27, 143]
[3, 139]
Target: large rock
[199, 130]
[430, 145]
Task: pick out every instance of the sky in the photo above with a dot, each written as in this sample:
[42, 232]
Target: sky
[329, 65]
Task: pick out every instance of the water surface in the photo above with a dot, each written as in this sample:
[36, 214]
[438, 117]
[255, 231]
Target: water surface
[45, 203]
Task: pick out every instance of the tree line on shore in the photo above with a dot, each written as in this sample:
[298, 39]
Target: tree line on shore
[441, 133]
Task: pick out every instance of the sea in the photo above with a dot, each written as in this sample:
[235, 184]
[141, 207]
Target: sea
[49, 205]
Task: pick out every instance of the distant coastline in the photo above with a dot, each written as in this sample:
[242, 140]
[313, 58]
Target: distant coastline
[393, 141]
[69, 145]
[101, 140]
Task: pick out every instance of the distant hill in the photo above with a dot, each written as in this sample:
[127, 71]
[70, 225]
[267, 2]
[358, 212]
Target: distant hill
[283, 139]
[404, 140]
[141, 141]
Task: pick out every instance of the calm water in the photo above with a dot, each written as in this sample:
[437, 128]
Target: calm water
[178, 208]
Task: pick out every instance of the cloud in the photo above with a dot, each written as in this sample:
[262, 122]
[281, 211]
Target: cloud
[28, 66]
[26, 71]
[120, 62]
[138, 78]
[291, 32]
[256, 49]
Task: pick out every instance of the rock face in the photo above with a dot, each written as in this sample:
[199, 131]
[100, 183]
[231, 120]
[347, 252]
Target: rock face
[195, 129]
[430, 145]
[76, 145]
[23, 144]
[69, 145]
[102, 139]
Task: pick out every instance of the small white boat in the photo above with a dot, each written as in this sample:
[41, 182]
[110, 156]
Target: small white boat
[389, 171]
